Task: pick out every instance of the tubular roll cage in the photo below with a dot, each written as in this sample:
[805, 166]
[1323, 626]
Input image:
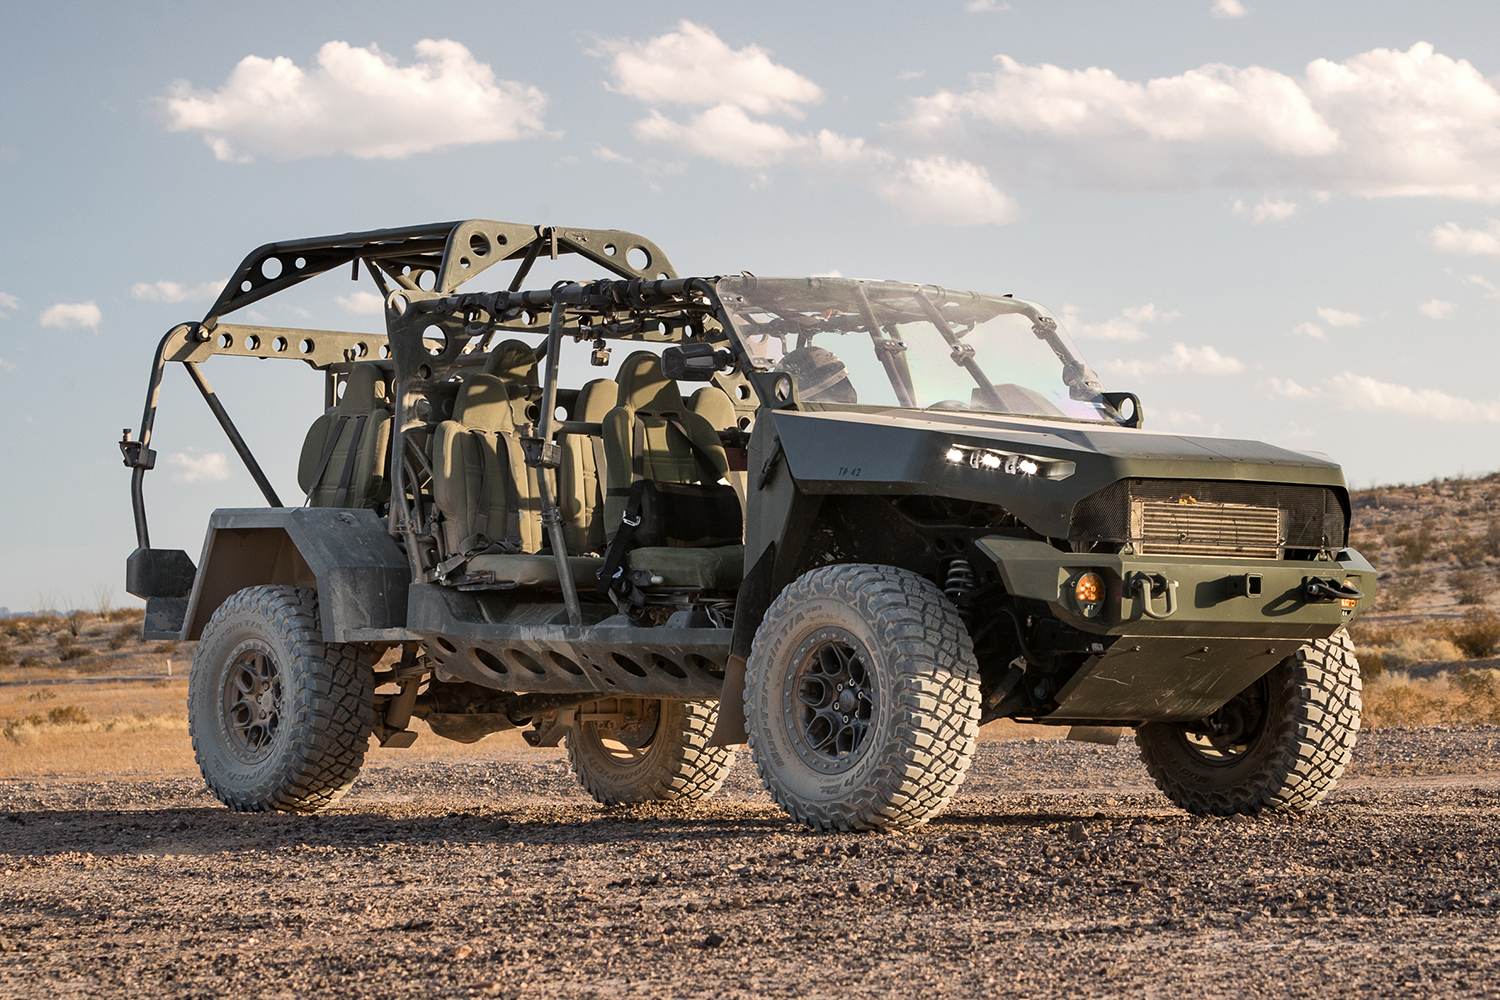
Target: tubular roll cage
[432, 333]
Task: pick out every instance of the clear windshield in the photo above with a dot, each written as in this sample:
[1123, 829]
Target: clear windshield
[891, 344]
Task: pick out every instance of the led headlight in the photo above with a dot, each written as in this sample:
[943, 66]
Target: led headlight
[1011, 464]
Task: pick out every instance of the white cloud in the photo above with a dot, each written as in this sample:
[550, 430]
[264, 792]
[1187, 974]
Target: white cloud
[1384, 122]
[1289, 389]
[945, 192]
[1203, 360]
[1436, 309]
[724, 133]
[1490, 291]
[1359, 392]
[1229, 9]
[1125, 327]
[984, 6]
[1338, 317]
[610, 156]
[1452, 238]
[911, 74]
[7, 365]
[1266, 211]
[68, 315]
[736, 86]
[171, 291]
[360, 102]
[1312, 330]
[835, 273]
[692, 65]
[8, 301]
[208, 467]
[362, 303]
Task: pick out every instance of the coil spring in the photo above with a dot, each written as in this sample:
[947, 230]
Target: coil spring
[959, 585]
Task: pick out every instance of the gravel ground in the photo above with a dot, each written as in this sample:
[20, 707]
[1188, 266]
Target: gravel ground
[1059, 871]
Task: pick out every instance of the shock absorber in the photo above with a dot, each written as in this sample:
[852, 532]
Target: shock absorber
[959, 585]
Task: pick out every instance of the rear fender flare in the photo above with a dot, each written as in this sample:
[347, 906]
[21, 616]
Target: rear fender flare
[361, 575]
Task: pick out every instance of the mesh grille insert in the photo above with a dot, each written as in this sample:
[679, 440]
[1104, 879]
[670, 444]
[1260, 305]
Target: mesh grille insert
[1211, 517]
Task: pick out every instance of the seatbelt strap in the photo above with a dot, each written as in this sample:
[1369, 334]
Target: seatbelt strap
[348, 473]
[332, 443]
[711, 473]
[612, 574]
[597, 444]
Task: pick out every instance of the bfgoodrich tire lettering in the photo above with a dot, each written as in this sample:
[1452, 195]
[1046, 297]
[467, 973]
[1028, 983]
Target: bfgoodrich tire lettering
[862, 699]
[1291, 759]
[279, 718]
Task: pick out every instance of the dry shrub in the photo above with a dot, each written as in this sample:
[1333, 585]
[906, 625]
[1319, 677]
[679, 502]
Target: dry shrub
[1398, 590]
[165, 647]
[1471, 585]
[1415, 547]
[7, 655]
[22, 630]
[32, 661]
[74, 622]
[91, 668]
[41, 694]
[122, 636]
[1411, 650]
[1371, 664]
[1477, 635]
[1400, 704]
[68, 715]
[127, 614]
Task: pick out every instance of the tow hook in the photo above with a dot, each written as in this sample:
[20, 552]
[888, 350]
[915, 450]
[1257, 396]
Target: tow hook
[1319, 591]
[1149, 586]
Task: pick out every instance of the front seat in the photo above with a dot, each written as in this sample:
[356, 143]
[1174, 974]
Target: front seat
[658, 453]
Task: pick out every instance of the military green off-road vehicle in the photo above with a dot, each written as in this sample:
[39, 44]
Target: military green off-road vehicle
[889, 514]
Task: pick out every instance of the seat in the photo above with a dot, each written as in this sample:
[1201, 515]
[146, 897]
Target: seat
[345, 453]
[714, 405]
[580, 481]
[491, 530]
[651, 436]
[514, 363]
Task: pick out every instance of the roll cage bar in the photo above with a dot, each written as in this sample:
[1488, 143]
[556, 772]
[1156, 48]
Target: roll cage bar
[414, 264]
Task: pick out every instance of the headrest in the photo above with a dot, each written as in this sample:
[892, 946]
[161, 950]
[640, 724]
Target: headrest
[596, 399]
[513, 362]
[484, 404]
[364, 390]
[644, 387]
[714, 405]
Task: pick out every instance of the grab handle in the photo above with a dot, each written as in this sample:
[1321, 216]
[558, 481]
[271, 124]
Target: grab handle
[1146, 585]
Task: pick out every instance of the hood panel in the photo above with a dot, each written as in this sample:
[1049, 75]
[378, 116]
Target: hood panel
[901, 452]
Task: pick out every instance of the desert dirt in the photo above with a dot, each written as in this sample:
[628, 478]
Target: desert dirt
[475, 871]
[484, 870]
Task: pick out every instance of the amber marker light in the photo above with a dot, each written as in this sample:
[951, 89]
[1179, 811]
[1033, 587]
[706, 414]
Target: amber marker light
[1348, 603]
[1089, 591]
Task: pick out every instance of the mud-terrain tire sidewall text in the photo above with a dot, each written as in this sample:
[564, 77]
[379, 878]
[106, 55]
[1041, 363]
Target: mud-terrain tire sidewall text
[923, 677]
[325, 697]
[1312, 718]
[677, 766]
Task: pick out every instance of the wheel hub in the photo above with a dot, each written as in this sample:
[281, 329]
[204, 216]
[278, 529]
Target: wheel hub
[829, 700]
[252, 704]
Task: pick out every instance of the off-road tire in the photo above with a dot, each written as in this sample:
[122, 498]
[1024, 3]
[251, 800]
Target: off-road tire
[677, 765]
[922, 673]
[1304, 743]
[326, 699]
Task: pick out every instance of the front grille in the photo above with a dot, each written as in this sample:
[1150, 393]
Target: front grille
[1205, 529]
[1208, 517]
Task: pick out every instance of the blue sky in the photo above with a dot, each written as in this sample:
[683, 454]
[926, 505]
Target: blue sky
[1273, 220]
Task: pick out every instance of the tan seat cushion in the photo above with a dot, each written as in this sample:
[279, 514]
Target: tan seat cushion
[536, 569]
[722, 568]
[367, 485]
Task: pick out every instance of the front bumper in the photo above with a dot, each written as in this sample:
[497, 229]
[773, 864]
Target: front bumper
[1219, 637]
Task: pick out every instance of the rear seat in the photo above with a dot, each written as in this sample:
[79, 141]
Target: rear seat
[346, 451]
[491, 530]
[675, 446]
[581, 477]
[714, 405]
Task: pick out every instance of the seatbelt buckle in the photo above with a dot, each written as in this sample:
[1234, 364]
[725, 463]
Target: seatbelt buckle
[625, 520]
